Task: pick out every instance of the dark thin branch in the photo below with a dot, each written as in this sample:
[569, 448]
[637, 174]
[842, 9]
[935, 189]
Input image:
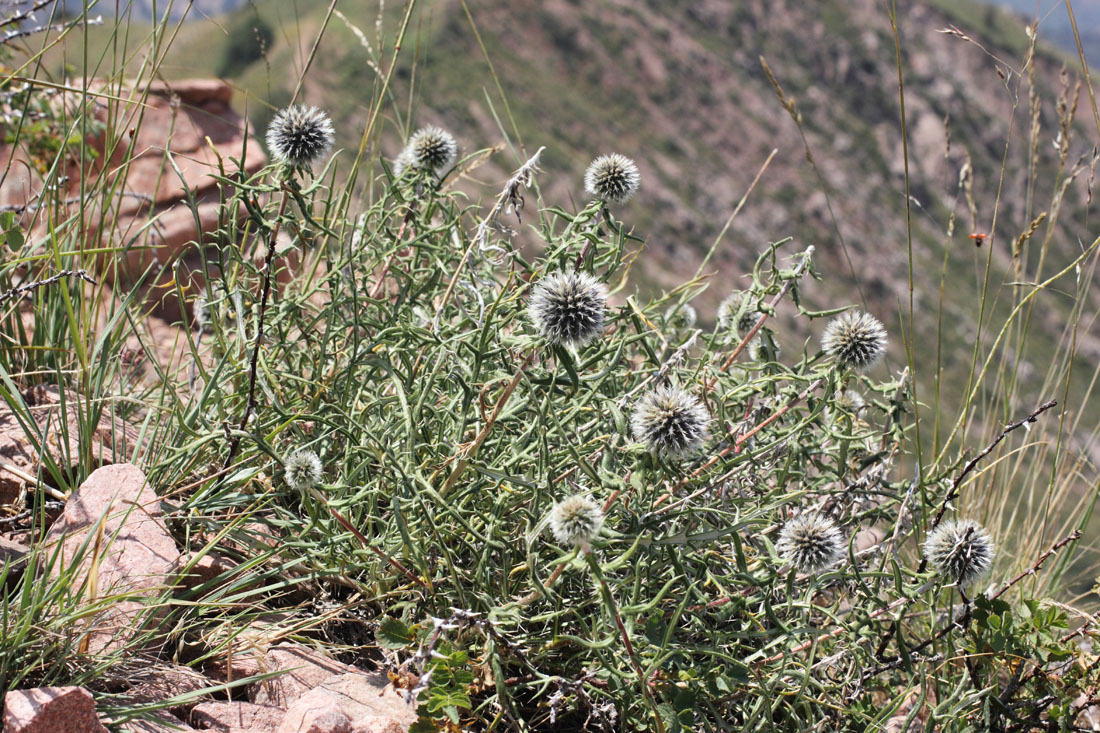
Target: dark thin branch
[30, 206]
[973, 463]
[23, 289]
[21, 15]
[964, 618]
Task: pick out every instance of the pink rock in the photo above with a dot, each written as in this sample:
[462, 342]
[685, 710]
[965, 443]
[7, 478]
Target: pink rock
[51, 710]
[316, 711]
[44, 405]
[161, 722]
[228, 716]
[135, 564]
[205, 569]
[371, 702]
[165, 683]
[305, 669]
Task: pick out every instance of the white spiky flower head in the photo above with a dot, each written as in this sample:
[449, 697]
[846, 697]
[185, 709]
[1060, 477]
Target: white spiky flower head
[960, 550]
[430, 148]
[761, 351]
[671, 422]
[856, 340]
[568, 308]
[612, 178]
[299, 136]
[811, 542]
[576, 521]
[303, 470]
[681, 317]
[845, 402]
[735, 316]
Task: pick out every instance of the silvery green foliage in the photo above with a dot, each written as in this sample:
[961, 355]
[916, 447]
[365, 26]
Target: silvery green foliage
[856, 340]
[576, 521]
[811, 542]
[299, 136]
[568, 308]
[671, 422]
[612, 178]
[960, 550]
[303, 470]
[430, 148]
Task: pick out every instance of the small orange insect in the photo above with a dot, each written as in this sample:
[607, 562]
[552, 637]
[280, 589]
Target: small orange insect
[978, 238]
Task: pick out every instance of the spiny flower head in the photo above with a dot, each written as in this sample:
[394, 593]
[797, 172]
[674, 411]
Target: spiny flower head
[670, 422]
[303, 470]
[961, 550]
[299, 136]
[855, 340]
[811, 542]
[735, 316]
[681, 317]
[568, 308]
[761, 351]
[430, 149]
[612, 178]
[576, 521]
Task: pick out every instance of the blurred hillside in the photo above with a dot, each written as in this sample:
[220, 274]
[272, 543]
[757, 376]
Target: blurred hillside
[680, 88]
[1055, 25]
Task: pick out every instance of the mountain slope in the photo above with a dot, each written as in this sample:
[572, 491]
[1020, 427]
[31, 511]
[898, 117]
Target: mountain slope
[681, 89]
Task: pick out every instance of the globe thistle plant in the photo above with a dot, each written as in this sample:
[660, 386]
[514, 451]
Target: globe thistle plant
[811, 542]
[845, 402]
[303, 470]
[734, 316]
[576, 521]
[299, 136]
[430, 148]
[612, 178]
[681, 317]
[671, 422]
[568, 308]
[856, 340]
[959, 550]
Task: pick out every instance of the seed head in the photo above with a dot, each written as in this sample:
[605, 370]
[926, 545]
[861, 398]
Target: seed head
[670, 422]
[568, 308]
[682, 317]
[855, 340]
[811, 542]
[303, 470]
[576, 521]
[960, 550]
[299, 136]
[430, 148]
[612, 178]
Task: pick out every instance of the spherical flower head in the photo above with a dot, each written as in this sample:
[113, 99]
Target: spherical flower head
[670, 422]
[960, 550]
[735, 317]
[856, 340]
[568, 308]
[303, 470]
[576, 521]
[849, 401]
[761, 351]
[682, 317]
[811, 542]
[612, 178]
[430, 149]
[299, 136]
